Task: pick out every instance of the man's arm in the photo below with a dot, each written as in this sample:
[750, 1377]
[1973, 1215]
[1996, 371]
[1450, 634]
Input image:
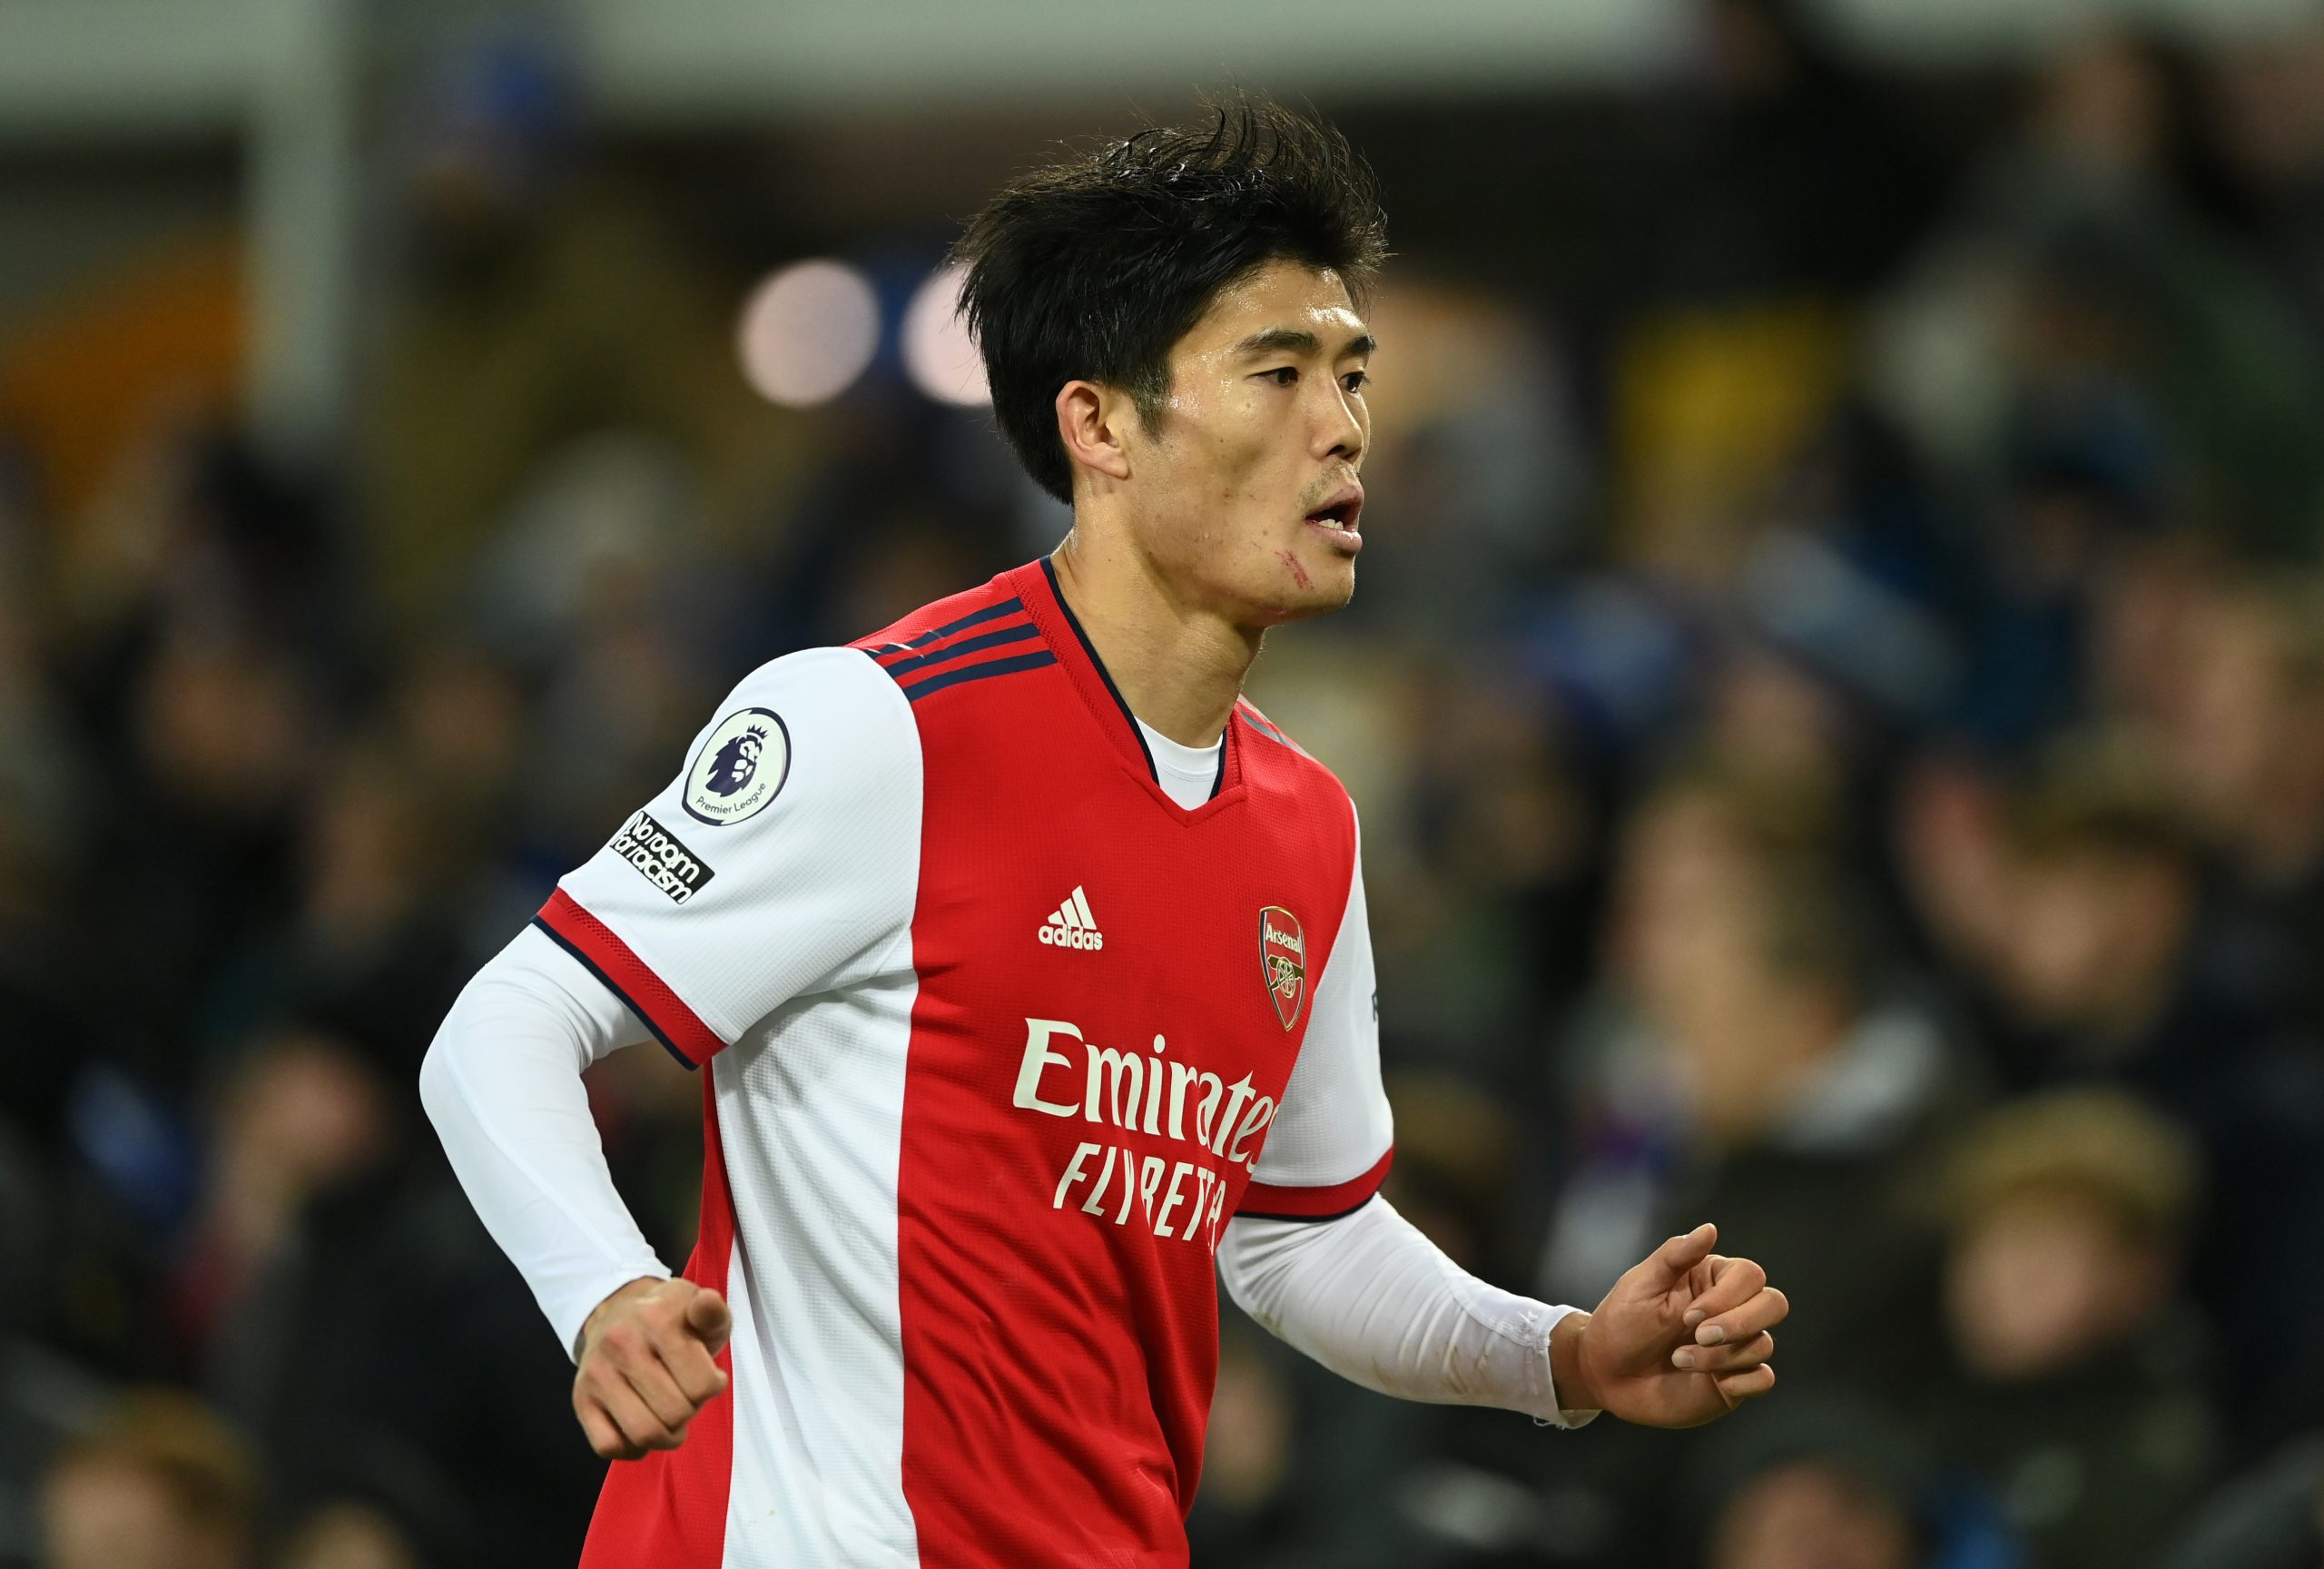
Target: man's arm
[502, 1084]
[1680, 1338]
[1370, 1297]
[1373, 1300]
[781, 860]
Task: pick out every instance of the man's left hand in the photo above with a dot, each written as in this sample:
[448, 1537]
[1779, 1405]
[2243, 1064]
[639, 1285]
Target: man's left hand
[1682, 1339]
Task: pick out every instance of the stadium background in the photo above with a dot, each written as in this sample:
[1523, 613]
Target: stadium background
[1836, 696]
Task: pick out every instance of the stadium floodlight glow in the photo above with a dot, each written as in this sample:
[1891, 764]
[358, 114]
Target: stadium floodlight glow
[939, 354]
[808, 331]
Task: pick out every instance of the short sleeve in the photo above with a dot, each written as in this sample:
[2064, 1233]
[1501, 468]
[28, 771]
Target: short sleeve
[782, 860]
[1329, 1146]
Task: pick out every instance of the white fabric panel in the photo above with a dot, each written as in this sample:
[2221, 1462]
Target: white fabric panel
[803, 888]
[502, 1083]
[810, 1114]
[1188, 774]
[1373, 1300]
[798, 949]
[1334, 1124]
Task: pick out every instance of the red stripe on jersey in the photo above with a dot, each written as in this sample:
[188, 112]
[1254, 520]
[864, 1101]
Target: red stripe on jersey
[1262, 1201]
[593, 943]
[669, 1509]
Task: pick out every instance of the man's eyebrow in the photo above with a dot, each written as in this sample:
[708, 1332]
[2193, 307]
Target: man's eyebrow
[1298, 340]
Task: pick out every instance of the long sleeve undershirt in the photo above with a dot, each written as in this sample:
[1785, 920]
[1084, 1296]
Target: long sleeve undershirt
[502, 1083]
[1366, 1295]
[1373, 1300]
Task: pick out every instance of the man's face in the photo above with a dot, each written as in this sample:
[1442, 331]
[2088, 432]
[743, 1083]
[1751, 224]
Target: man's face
[1263, 429]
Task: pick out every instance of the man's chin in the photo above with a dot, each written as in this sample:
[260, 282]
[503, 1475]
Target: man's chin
[1325, 589]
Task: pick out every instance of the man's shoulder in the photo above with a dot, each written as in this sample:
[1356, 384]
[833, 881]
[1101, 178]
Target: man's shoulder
[971, 636]
[1302, 803]
[1276, 758]
[830, 684]
[942, 619]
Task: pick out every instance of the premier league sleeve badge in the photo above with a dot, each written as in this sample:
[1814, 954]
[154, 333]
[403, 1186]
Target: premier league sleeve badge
[740, 769]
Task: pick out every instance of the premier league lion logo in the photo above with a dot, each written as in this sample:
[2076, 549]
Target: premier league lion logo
[741, 767]
[736, 762]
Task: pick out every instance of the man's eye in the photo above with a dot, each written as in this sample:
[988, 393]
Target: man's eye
[1357, 380]
[1282, 375]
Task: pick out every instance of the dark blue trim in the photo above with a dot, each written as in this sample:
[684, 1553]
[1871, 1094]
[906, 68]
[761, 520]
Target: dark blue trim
[1090, 648]
[643, 1016]
[1215, 784]
[989, 612]
[962, 649]
[1309, 1219]
[978, 672]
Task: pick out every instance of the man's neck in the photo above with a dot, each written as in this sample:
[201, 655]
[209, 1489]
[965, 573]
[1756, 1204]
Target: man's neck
[1179, 669]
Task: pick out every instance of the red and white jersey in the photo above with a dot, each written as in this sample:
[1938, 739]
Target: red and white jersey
[998, 1037]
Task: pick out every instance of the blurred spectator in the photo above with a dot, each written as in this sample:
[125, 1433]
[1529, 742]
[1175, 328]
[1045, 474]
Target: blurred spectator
[300, 1115]
[348, 1536]
[2081, 1401]
[1240, 1515]
[1833, 1484]
[328, 1232]
[1304, 1452]
[1763, 1070]
[2100, 972]
[1485, 878]
[2267, 103]
[1753, 1060]
[2272, 1518]
[539, 297]
[371, 951]
[2250, 759]
[201, 823]
[160, 1484]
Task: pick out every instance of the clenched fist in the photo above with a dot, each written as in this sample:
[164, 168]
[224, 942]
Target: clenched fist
[1683, 1337]
[648, 1364]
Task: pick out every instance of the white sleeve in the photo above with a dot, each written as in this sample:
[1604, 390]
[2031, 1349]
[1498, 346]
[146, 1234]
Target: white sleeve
[782, 860]
[502, 1084]
[1328, 1147]
[1373, 1300]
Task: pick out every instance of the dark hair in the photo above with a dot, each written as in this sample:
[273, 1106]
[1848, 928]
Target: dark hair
[1094, 268]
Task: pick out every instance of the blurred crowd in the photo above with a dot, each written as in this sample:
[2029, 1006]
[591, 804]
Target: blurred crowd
[1837, 705]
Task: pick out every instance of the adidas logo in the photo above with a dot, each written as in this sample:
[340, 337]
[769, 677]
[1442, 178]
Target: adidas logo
[1072, 927]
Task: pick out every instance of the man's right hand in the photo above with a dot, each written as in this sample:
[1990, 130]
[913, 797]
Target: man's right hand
[646, 1365]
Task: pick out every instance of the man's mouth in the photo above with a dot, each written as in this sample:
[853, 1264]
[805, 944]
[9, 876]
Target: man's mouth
[1341, 510]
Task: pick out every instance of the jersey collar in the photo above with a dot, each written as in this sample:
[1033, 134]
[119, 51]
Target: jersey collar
[1036, 583]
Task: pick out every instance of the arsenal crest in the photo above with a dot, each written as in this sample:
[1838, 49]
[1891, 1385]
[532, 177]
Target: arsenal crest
[1283, 961]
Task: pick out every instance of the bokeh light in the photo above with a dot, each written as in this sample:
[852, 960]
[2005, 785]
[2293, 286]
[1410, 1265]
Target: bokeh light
[808, 332]
[939, 354]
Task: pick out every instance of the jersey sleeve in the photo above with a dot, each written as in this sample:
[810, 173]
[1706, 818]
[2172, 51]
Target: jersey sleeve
[782, 860]
[1328, 1149]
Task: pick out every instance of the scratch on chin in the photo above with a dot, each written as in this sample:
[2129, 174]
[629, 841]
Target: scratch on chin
[1298, 572]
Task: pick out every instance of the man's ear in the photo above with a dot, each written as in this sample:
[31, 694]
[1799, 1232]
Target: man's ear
[1091, 420]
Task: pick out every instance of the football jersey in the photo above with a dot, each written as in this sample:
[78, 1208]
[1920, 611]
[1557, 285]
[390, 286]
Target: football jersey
[996, 1038]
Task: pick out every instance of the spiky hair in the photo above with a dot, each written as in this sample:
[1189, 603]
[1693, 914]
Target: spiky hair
[1095, 267]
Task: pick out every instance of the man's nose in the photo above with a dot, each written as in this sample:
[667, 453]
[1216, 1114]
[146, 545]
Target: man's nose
[1342, 432]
